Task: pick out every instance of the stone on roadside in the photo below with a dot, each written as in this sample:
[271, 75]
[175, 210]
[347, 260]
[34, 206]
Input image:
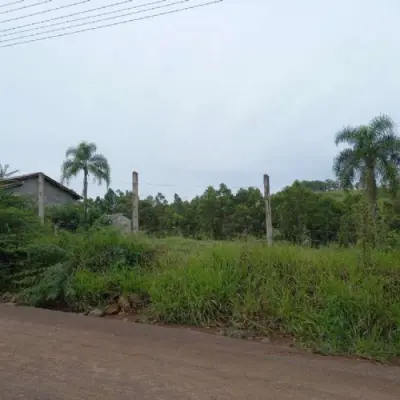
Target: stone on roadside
[112, 309]
[96, 312]
[124, 304]
[135, 300]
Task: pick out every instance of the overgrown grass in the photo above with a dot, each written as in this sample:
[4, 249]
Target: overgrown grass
[327, 299]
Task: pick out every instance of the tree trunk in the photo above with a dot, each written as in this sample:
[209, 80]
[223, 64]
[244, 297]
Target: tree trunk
[369, 224]
[85, 194]
[372, 191]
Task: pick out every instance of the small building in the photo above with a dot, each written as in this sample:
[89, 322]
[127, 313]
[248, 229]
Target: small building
[46, 190]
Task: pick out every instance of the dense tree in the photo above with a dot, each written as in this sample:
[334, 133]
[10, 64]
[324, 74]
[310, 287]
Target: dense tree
[370, 159]
[321, 186]
[84, 158]
[300, 216]
[317, 212]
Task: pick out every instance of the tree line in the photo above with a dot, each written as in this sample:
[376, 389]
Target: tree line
[363, 194]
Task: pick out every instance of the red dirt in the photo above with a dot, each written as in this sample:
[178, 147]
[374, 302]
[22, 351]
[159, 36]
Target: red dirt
[48, 355]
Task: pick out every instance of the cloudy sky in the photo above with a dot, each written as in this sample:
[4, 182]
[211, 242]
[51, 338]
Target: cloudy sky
[222, 93]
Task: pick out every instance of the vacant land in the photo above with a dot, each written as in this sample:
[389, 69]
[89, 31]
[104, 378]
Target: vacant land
[52, 355]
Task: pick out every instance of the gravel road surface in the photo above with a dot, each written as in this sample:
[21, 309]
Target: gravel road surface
[48, 355]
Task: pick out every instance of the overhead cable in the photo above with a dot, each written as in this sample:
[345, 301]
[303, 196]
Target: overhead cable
[59, 17]
[11, 3]
[27, 6]
[17, 42]
[85, 18]
[47, 10]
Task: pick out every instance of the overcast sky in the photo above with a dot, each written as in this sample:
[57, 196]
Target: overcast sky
[223, 93]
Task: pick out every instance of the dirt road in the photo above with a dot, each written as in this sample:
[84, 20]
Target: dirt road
[47, 355]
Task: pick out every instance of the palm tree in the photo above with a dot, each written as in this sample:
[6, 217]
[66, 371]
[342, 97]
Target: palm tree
[4, 173]
[370, 159]
[84, 158]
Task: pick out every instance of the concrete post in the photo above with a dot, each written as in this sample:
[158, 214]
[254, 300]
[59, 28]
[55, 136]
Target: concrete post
[41, 197]
[135, 202]
[268, 218]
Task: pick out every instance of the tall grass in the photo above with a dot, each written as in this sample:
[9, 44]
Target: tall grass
[327, 299]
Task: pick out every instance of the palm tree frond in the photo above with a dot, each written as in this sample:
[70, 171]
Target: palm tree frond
[100, 169]
[345, 167]
[69, 169]
[83, 151]
[71, 151]
[87, 150]
[348, 135]
[13, 172]
[382, 125]
[4, 173]
[389, 172]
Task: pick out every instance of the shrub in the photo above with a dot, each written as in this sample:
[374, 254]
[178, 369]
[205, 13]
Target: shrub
[19, 225]
[51, 289]
[54, 261]
[89, 288]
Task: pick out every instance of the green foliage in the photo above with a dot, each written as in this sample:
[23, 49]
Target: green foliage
[84, 158]
[342, 298]
[89, 288]
[50, 287]
[51, 261]
[324, 298]
[302, 216]
[72, 217]
[68, 217]
[18, 226]
[371, 158]
[322, 186]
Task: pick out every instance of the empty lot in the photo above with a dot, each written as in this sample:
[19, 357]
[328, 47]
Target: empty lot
[48, 355]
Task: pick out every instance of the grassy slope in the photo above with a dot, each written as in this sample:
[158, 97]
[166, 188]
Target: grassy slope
[325, 298]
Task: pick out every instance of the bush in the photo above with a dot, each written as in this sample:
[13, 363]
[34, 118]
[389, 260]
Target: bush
[19, 225]
[92, 289]
[55, 264]
[51, 289]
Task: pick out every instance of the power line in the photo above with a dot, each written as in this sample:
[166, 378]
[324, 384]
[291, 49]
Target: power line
[24, 7]
[11, 3]
[109, 25]
[59, 17]
[45, 11]
[87, 17]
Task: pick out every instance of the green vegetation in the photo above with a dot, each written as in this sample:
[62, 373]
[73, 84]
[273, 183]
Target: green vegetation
[84, 158]
[331, 280]
[370, 158]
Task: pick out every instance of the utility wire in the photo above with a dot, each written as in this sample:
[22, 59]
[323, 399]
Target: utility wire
[24, 7]
[83, 18]
[93, 22]
[107, 25]
[45, 11]
[60, 17]
[12, 3]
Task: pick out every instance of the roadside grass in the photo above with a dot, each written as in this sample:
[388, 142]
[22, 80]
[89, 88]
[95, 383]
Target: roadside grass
[327, 299]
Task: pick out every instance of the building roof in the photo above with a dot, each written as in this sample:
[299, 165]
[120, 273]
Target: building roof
[17, 180]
